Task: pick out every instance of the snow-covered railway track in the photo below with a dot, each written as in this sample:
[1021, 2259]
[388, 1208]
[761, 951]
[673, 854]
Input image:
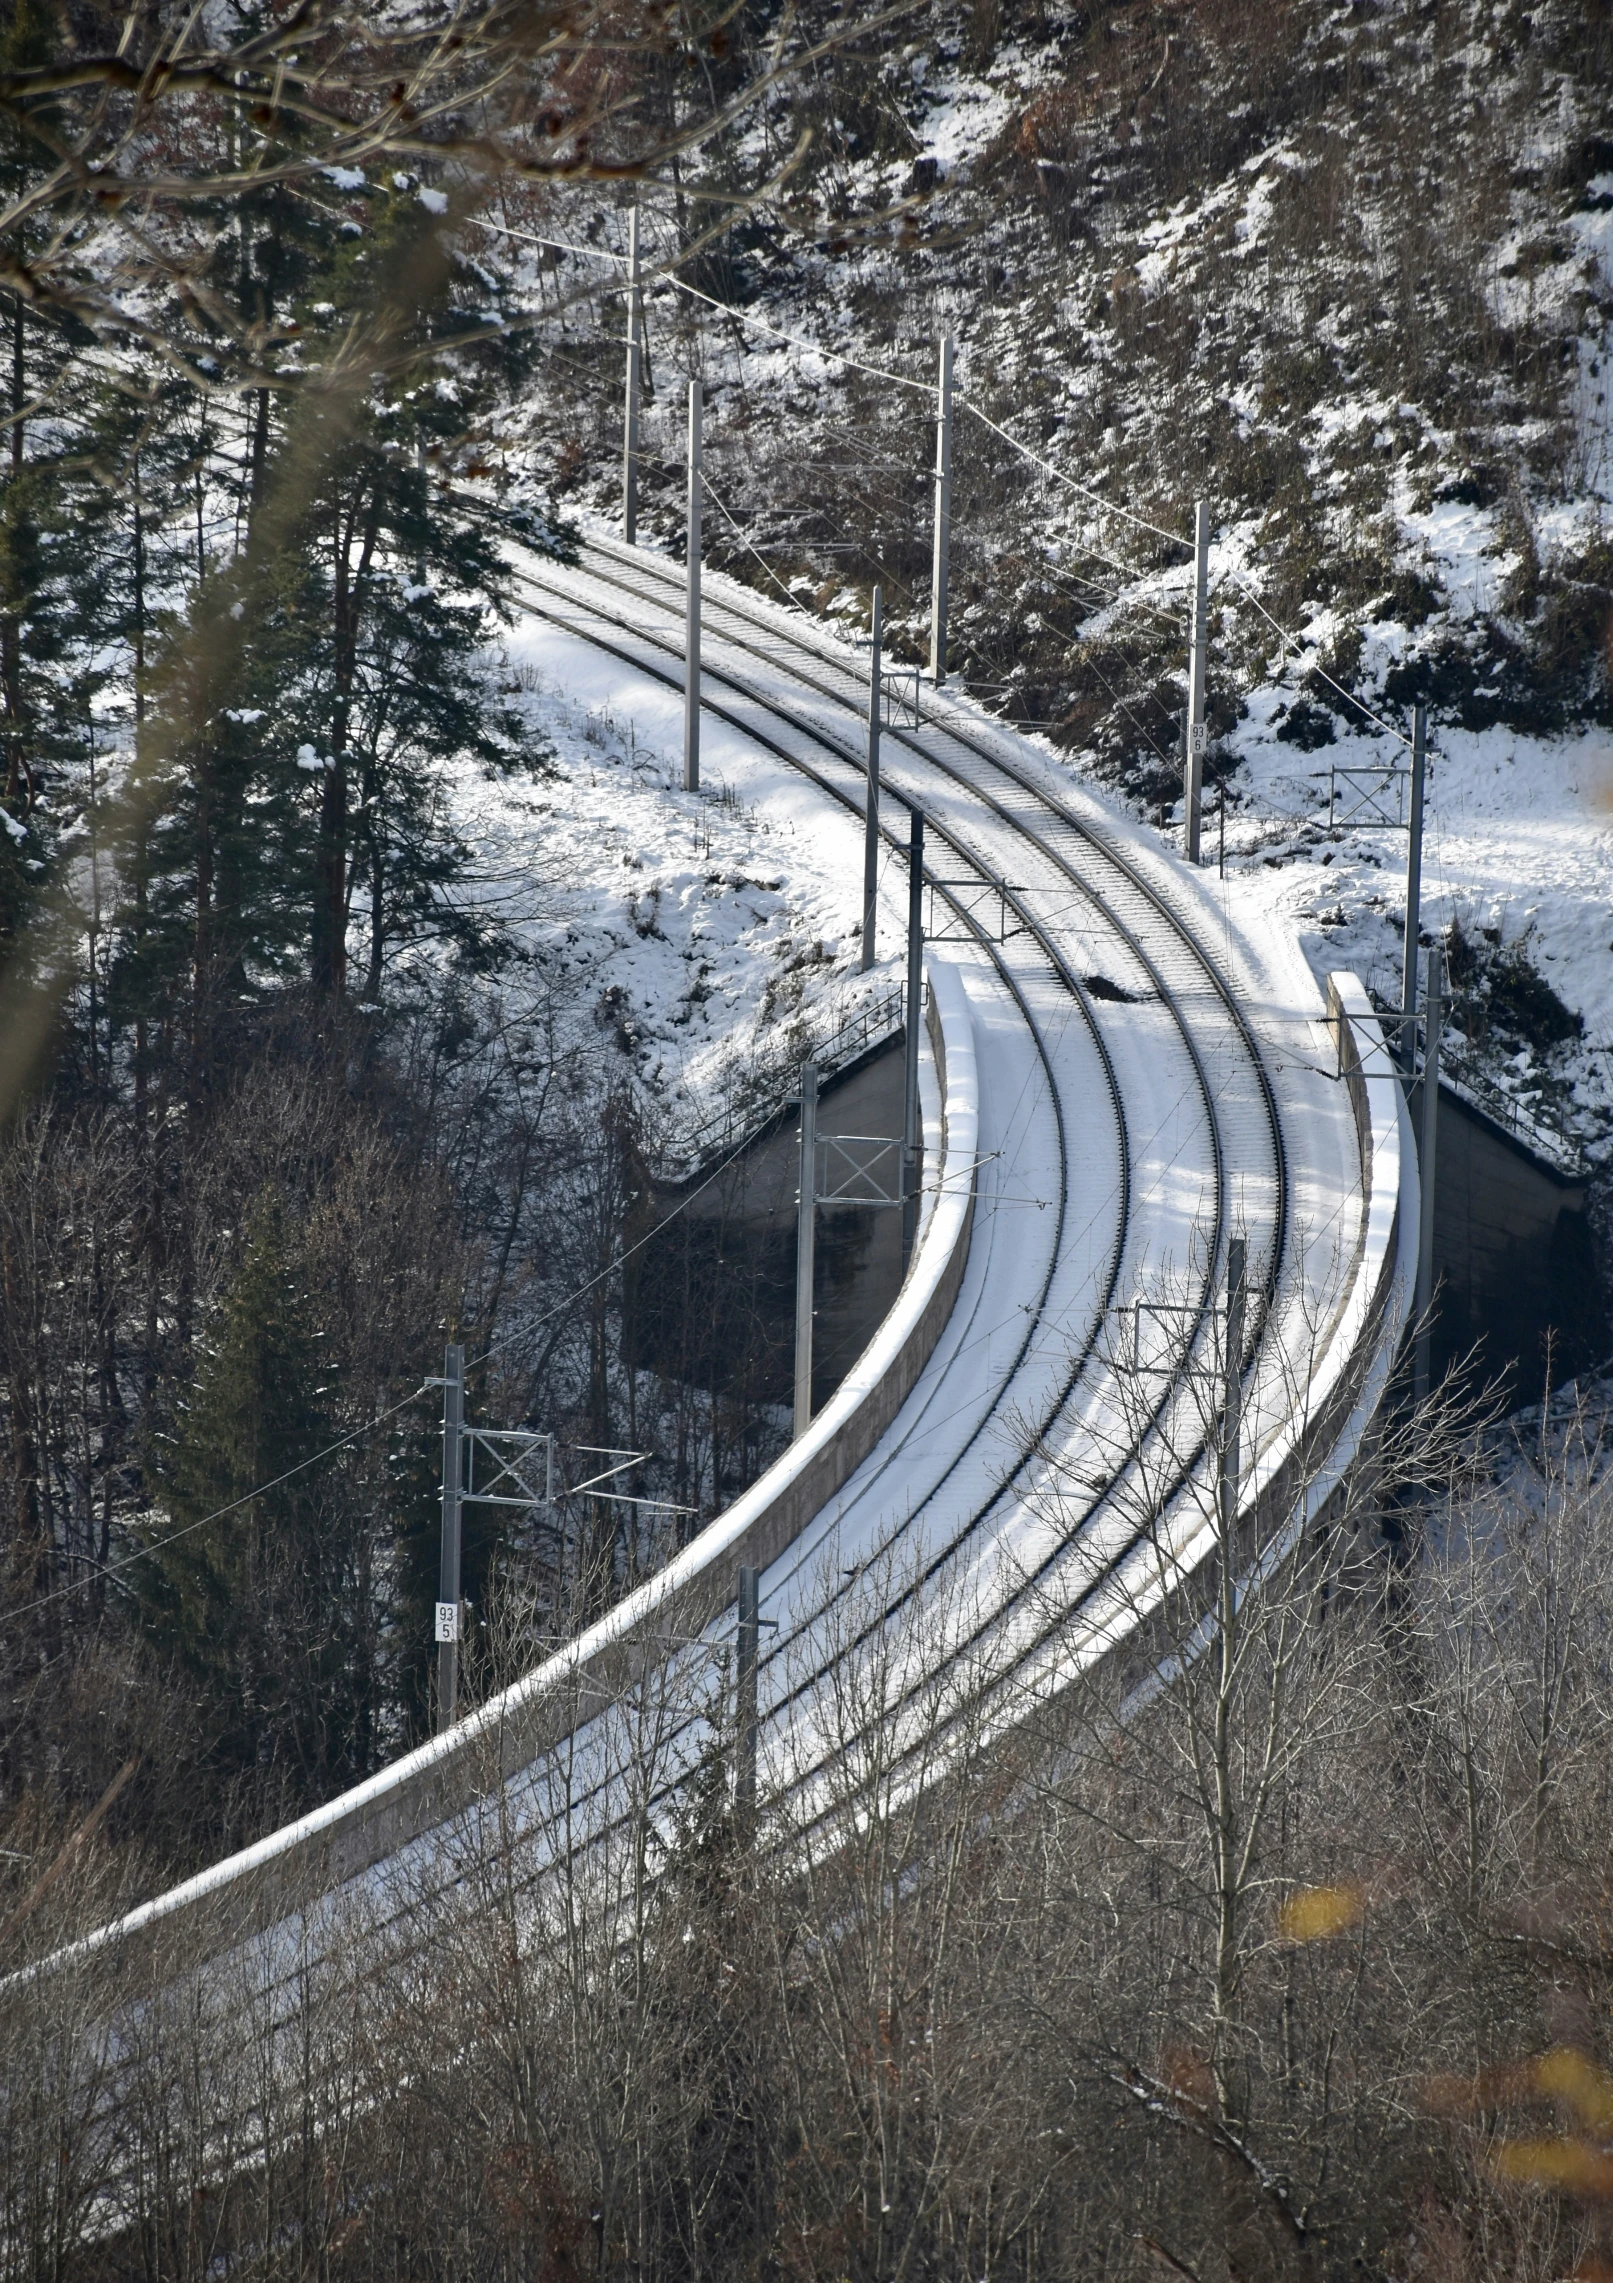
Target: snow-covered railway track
[1002, 826]
[1122, 1083]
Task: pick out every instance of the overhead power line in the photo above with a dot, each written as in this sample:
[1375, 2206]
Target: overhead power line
[556, 245]
[366, 1427]
[1294, 643]
[1084, 491]
[723, 308]
[1087, 492]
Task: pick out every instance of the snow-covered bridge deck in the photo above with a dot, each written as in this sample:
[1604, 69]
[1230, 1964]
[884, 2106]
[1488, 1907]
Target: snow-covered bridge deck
[1119, 1086]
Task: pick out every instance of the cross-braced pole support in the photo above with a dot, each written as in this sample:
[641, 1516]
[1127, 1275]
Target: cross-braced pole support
[1407, 1043]
[1232, 1391]
[1198, 736]
[871, 797]
[943, 514]
[691, 609]
[630, 409]
[1433, 1018]
[806, 1227]
[749, 1599]
[448, 1582]
[912, 1136]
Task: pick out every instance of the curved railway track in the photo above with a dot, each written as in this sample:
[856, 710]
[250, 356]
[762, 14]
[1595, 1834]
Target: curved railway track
[1152, 1082]
[1000, 816]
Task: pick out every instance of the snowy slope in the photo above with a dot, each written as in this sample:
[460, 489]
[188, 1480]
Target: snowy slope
[1220, 254]
[706, 940]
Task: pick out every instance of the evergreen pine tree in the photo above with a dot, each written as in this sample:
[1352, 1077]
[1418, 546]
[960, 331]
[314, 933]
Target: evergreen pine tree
[251, 1608]
[143, 454]
[302, 808]
[50, 516]
[385, 611]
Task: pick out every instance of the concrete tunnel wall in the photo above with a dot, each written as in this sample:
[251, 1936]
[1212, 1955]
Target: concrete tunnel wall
[1514, 1259]
[1513, 1250]
[714, 1292]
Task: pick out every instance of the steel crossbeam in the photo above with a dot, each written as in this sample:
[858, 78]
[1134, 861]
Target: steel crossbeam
[1369, 792]
[509, 1449]
[976, 910]
[1187, 1312]
[841, 1187]
[899, 697]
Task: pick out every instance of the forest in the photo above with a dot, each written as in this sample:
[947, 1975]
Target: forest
[1300, 1967]
[291, 1105]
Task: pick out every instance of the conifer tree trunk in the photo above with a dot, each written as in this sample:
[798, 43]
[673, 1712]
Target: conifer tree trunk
[137, 634]
[372, 980]
[260, 454]
[146, 1130]
[202, 942]
[11, 624]
[330, 887]
[24, 1447]
[329, 947]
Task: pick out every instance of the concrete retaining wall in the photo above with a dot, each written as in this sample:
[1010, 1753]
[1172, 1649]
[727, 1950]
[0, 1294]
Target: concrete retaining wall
[282, 1874]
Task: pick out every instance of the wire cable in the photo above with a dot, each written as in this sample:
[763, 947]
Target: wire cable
[797, 340]
[1142, 523]
[721, 506]
[1084, 491]
[1114, 598]
[724, 308]
[1294, 644]
[1142, 732]
[966, 403]
[367, 1426]
[556, 245]
[259, 1490]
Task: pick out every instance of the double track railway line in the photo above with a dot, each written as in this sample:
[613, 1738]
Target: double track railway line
[1123, 1081]
[1151, 1053]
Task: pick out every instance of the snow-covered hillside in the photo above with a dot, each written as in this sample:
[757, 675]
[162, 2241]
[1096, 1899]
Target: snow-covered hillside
[707, 940]
[1345, 272]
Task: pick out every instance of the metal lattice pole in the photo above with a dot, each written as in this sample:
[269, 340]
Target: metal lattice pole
[943, 514]
[448, 1587]
[806, 1226]
[912, 1138]
[871, 802]
[630, 413]
[1414, 892]
[1428, 1143]
[749, 1598]
[691, 613]
[1232, 1391]
[1198, 641]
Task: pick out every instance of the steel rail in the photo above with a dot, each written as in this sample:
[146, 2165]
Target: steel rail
[1031, 925]
[1058, 965]
[1144, 958]
[948, 725]
[587, 628]
[720, 613]
[815, 733]
[422, 1898]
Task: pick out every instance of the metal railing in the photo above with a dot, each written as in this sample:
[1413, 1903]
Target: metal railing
[768, 1085]
[1540, 1133]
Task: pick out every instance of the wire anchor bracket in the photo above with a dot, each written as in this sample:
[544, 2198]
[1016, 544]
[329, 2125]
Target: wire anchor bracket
[851, 1169]
[1373, 797]
[979, 909]
[510, 1451]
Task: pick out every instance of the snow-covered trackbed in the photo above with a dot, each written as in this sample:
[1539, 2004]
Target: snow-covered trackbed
[1121, 1080]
